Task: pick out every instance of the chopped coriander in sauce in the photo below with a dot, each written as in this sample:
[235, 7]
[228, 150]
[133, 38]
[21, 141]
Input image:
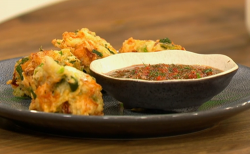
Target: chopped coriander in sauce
[164, 72]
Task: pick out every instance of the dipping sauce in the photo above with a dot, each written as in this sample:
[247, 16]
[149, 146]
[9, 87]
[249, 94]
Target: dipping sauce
[164, 72]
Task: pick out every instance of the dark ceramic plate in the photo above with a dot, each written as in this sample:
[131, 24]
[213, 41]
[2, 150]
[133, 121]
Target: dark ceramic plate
[121, 123]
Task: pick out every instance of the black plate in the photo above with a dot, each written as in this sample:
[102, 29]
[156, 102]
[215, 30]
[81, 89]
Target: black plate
[121, 123]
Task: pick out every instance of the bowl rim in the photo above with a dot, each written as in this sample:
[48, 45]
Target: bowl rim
[231, 70]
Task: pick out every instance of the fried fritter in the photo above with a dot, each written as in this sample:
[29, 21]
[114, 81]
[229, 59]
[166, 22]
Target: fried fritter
[132, 45]
[85, 45]
[64, 89]
[24, 69]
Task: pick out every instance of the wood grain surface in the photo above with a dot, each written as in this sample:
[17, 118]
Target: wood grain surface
[200, 26]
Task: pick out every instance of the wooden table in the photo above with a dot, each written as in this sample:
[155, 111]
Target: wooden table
[200, 26]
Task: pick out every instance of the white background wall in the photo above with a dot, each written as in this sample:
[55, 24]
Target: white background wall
[12, 8]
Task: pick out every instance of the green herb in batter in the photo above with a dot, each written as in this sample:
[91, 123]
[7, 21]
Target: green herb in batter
[97, 53]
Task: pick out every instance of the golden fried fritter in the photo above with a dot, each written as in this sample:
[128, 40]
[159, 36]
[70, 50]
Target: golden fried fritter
[132, 45]
[24, 69]
[64, 89]
[85, 45]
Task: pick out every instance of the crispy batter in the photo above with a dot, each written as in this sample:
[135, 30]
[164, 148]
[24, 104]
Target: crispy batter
[64, 89]
[24, 69]
[132, 45]
[85, 45]
[55, 80]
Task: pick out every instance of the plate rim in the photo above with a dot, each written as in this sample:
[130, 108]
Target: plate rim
[244, 105]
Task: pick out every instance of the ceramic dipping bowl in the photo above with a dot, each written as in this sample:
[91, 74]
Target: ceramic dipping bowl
[168, 95]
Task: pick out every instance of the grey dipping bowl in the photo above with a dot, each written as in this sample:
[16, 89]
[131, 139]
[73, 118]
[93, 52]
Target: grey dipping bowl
[168, 95]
